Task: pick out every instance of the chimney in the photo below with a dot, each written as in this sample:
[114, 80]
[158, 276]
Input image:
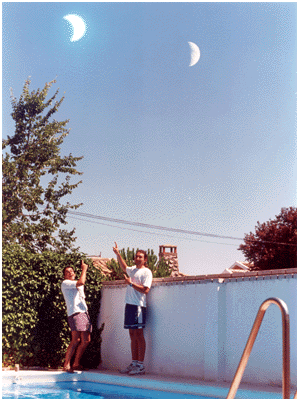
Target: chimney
[169, 253]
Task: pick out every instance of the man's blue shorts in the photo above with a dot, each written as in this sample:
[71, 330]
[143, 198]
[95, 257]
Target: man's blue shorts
[135, 317]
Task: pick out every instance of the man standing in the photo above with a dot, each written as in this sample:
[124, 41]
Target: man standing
[78, 318]
[139, 280]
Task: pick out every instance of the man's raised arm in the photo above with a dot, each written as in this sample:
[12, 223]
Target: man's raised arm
[82, 278]
[122, 263]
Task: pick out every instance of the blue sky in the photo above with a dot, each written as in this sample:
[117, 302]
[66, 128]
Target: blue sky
[209, 148]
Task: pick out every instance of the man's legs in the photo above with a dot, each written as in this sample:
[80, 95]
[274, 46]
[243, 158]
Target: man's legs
[138, 344]
[134, 345]
[85, 339]
[79, 341]
[135, 316]
[138, 348]
[71, 349]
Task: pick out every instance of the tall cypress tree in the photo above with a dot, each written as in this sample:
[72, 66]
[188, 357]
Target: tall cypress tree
[35, 176]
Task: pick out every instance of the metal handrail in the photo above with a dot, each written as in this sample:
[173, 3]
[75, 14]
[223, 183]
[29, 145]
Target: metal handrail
[285, 347]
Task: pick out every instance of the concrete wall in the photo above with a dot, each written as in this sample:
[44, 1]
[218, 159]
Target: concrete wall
[198, 327]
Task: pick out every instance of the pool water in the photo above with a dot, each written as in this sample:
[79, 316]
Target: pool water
[85, 390]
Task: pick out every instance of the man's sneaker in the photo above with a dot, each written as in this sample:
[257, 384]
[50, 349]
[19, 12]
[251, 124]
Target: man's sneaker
[128, 369]
[137, 370]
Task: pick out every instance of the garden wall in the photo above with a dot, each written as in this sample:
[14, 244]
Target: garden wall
[198, 326]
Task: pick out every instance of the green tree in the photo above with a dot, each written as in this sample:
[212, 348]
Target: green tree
[35, 176]
[159, 269]
[274, 243]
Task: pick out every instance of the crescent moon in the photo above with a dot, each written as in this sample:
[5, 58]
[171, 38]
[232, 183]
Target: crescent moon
[195, 54]
[78, 26]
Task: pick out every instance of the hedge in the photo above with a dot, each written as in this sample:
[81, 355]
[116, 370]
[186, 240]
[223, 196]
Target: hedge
[35, 331]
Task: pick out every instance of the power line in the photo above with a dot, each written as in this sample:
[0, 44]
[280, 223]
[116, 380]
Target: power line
[146, 225]
[158, 234]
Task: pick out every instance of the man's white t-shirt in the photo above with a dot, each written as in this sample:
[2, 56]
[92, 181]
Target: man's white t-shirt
[74, 297]
[139, 276]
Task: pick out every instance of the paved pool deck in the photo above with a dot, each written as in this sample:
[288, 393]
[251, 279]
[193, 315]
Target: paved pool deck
[198, 382]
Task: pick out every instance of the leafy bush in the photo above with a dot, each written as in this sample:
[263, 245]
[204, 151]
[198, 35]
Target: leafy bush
[35, 331]
[159, 269]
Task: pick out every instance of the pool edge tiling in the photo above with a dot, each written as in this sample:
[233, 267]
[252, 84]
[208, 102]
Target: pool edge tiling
[213, 390]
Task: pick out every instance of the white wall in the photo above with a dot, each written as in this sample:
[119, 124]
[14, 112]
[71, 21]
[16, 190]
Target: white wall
[200, 328]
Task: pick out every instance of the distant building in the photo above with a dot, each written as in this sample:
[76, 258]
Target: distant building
[100, 263]
[238, 266]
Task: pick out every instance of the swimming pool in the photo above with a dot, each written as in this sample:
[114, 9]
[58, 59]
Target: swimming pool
[86, 390]
[95, 385]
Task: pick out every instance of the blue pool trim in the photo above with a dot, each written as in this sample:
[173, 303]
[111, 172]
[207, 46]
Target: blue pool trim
[213, 391]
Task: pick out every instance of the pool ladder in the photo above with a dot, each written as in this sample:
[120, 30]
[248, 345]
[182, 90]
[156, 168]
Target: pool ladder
[285, 348]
